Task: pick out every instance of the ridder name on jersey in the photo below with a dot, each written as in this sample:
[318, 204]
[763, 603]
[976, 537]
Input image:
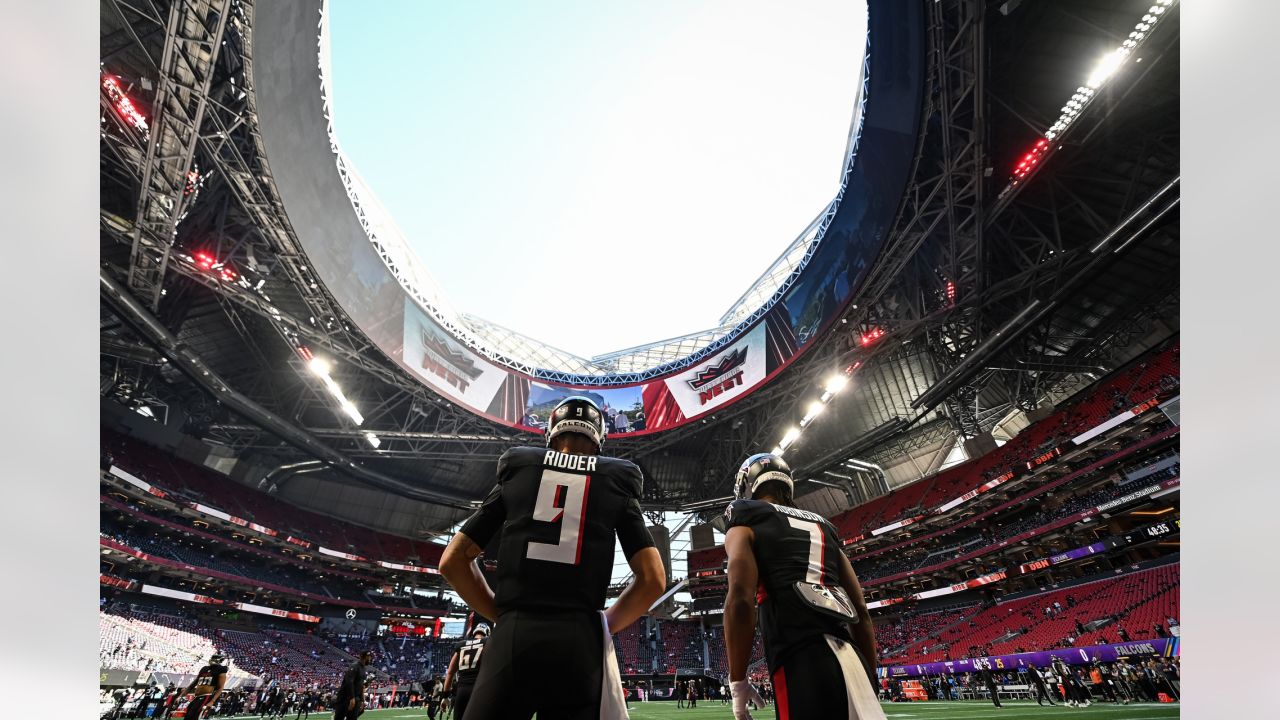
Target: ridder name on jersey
[565, 461]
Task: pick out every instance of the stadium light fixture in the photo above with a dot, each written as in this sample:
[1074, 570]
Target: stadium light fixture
[789, 438]
[374, 440]
[836, 383]
[194, 182]
[1074, 107]
[815, 408]
[123, 105]
[350, 409]
[208, 263]
[321, 368]
[1107, 66]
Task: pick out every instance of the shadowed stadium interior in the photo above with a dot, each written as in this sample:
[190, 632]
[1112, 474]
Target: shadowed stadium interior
[970, 361]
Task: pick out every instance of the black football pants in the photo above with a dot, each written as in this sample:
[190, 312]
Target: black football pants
[807, 684]
[550, 663]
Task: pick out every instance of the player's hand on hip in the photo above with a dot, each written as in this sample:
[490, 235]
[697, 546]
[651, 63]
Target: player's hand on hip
[742, 693]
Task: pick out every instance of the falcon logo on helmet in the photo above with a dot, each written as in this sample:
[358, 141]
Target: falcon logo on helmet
[579, 414]
[759, 469]
[480, 629]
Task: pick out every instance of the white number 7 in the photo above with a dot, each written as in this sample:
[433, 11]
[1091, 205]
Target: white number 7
[568, 508]
[817, 549]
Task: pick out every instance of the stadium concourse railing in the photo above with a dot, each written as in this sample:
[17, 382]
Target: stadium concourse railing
[216, 513]
[1016, 470]
[1116, 400]
[1040, 530]
[1048, 527]
[712, 559]
[1082, 422]
[184, 482]
[1111, 459]
[254, 550]
[1156, 530]
[995, 547]
[111, 544]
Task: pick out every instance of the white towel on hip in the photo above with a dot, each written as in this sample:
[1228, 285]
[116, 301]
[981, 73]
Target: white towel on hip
[613, 706]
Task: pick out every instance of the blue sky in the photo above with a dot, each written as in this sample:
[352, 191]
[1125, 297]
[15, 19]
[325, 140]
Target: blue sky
[656, 155]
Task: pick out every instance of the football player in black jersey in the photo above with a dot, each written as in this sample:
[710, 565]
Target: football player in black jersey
[206, 687]
[559, 510]
[818, 635]
[464, 668]
[349, 703]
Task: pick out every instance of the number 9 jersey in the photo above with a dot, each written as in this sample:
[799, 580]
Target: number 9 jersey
[795, 550]
[559, 514]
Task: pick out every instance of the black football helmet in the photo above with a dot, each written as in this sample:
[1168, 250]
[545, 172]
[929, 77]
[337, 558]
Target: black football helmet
[579, 414]
[760, 468]
[481, 629]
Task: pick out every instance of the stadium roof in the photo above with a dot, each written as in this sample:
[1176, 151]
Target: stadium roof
[988, 299]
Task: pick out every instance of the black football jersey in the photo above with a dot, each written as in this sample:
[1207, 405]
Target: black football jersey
[791, 545]
[209, 674]
[469, 659]
[559, 514]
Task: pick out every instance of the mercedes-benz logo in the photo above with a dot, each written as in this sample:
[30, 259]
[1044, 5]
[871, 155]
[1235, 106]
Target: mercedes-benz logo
[351, 614]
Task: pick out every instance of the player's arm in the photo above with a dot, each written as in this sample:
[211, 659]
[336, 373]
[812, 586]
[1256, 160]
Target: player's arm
[864, 631]
[646, 564]
[218, 684]
[458, 565]
[453, 668]
[350, 687]
[740, 602]
[650, 580]
[459, 568]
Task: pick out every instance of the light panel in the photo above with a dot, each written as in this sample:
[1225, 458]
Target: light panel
[1105, 69]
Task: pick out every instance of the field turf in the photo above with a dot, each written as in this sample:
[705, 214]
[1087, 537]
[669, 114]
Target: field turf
[963, 710]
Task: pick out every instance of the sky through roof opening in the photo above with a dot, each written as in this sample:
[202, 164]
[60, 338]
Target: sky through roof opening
[597, 175]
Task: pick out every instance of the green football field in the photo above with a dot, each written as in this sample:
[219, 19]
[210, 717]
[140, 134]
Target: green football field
[965, 710]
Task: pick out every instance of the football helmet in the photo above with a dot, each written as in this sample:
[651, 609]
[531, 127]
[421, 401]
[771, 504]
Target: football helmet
[480, 629]
[579, 414]
[758, 469]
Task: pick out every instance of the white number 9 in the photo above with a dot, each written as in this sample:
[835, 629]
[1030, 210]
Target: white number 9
[569, 509]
